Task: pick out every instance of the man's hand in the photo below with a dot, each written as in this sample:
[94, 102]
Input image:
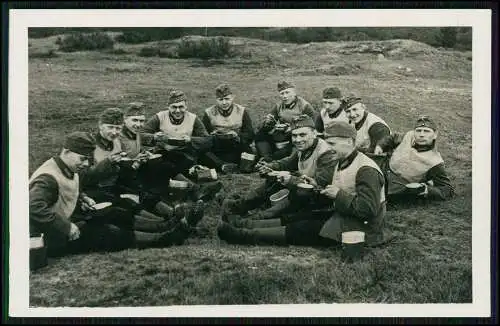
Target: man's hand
[187, 139]
[74, 232]
[262, 168]
[284, 178]
[330, 191]
[425, 192]
[87, 204]
[115, 158]
[378, 150]
[309, 180]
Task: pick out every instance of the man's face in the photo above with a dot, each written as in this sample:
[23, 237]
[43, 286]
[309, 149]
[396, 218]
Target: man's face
[331, 104]
[288, 95]
[75, 162]
[303, 138]
[135, 122]
[355, 113]
[424, 135]
[225, 102]
[109, 131]
[178, 109]
[340, 146]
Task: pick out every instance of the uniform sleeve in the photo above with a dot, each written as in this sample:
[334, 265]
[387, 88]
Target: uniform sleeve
[206, 122]
[309, 110]
[152, 125]
[199, 129]
[247, 133]
[390, 142]
[365, 203]
[442, 188]
[147, 139]
[103, 169]
[288, 163]
[324, 169]
[44, 193]
[319, 123]
[377, 132]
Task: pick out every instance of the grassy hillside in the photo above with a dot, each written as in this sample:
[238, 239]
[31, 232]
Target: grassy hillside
[430, 263]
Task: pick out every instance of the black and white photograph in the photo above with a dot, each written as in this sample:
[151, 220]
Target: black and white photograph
[267, 163]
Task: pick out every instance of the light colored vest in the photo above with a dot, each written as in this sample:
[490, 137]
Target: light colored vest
[327, 120]
[410, 164]
[346, 179]
[308, 166]
[175, 131]
[131, 146]
[233, 122]
[362, 137]
[286, 116]
[68, 188]
[100, 153]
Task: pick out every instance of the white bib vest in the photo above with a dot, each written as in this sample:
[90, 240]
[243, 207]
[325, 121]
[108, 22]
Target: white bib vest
[410, 164]
[308, 166]
[176, 131]
[68, 188]
[346, 179]
[233, 122]
[327, 120]
[362, 137]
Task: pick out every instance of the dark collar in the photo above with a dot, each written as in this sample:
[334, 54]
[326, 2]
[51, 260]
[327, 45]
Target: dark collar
[344, 163]
[336, 113]
[291, 105]
[424, 148]
[226, 113]
[128, 133]
[174, 121]
[308, 152]
[105, 144]
[362, 121]
[64, 168]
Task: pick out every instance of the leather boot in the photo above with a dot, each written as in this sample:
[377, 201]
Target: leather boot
[272, 211]
[163, 209]
[264, 236]
[206, 191]
[254, 224]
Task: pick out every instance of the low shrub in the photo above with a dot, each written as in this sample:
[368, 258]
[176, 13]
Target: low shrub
[212, 48]
[86, 42]
[46, 54]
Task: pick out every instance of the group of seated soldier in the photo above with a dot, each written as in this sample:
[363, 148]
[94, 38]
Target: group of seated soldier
[348, 155]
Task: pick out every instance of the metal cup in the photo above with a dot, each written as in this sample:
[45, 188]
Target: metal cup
[353, 245]
[247, 162]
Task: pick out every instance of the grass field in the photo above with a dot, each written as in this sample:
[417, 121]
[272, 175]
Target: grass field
[430, 263]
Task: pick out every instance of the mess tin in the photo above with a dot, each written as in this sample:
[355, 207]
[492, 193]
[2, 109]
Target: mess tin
[279, 196]
[304, 189]
[247, 162]
[414, 188]
[176, 141]
[206, 174]
[38, 252]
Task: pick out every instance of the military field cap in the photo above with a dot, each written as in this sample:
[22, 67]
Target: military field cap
[340, 129]
[134, 109]
[80, 142]
[112, 116]
[301, 121]
[349, 101]
[332, 92]
[176, 96]
[425, 121]
[283, 84]
[222, 90]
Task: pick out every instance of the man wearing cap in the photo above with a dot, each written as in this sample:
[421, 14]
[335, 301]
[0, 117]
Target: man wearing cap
[370, 128]
[312, 160]
[358, 199]
[67, 217]
[191, 139]
[414, 159]
[272, 140]
[231, 128]
[332, 109]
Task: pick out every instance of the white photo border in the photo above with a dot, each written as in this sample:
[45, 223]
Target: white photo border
[478, 19]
